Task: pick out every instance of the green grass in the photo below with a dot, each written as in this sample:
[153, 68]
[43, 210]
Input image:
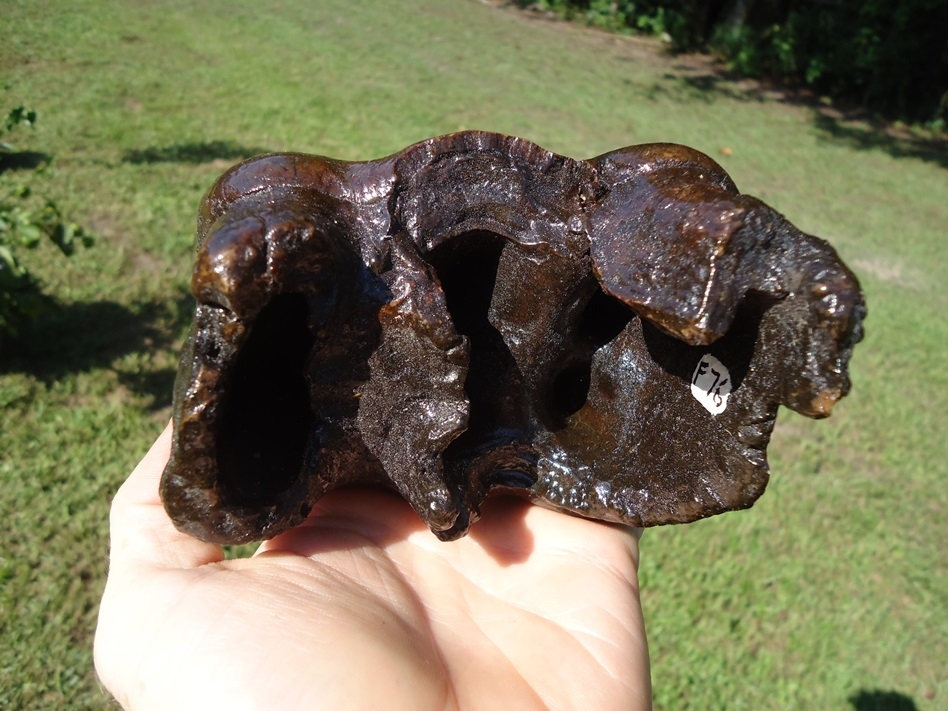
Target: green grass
[831, 593]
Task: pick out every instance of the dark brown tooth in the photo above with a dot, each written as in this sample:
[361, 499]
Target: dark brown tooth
[610, 337]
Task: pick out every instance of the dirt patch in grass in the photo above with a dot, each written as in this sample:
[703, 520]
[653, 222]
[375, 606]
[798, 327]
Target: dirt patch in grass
[891, 271]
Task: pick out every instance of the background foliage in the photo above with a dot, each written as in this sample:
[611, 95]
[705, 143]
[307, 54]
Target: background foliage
[889, 56]
[23, 224]
[831, 593]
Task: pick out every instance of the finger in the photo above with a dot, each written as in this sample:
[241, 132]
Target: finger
[141, 531]
[507, 520]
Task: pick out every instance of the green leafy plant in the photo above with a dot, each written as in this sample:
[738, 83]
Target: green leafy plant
[24, 222]
[887, 56]
[16, 116]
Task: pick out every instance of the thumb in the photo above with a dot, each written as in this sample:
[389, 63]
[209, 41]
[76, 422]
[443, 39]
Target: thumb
[142, 534]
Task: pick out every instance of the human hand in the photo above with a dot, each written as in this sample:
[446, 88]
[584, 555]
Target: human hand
[361, 607]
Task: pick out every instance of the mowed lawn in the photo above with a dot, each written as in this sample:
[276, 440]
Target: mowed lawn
[831, 593]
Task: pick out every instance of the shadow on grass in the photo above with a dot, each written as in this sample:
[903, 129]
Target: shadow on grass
[23, 160]
[705, 87]
[852, 127]
[862, 135]
[876, 700]
[193, 153]
[71, 338]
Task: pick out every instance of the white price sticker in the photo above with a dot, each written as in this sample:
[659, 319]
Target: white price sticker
[711, 384]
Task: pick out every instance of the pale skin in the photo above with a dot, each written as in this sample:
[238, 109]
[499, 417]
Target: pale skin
[361, 607]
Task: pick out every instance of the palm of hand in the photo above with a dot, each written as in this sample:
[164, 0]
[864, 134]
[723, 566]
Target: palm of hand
[361, 607]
